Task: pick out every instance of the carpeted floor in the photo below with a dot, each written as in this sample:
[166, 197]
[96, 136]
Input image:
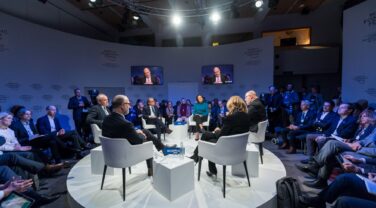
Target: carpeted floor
[57, 184]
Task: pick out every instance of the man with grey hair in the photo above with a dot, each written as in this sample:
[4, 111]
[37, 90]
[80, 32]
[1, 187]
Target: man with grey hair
[299, 129]
[98, 112]
[256, 110]
[116, 126]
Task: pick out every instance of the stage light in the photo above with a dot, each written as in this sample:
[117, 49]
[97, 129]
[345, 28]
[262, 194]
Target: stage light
[93, 1]
[215, 17]
[259, 3]
[176, 19]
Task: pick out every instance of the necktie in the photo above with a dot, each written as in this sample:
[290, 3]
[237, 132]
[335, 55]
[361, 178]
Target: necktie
[105, 110]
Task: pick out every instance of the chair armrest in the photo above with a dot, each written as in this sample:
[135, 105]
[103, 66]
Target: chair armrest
[141, 152]
[206, 150]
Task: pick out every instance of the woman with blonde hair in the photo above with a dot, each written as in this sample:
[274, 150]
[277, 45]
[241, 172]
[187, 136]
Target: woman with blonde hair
[236, 121]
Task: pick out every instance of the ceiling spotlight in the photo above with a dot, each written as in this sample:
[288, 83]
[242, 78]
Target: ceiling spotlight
[215, 17]
[136, 17]
[93, 1]
[176, 19]
[259, 3]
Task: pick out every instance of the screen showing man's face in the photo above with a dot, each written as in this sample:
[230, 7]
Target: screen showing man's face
[147, 72]
[217, 72]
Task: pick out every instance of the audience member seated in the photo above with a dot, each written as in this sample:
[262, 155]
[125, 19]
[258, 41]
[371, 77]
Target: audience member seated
[27, 135]
[222, 112]
[169, 113]
[152, 116]
[183, 110]
[236, 122]
[344, 126]
[324, 162]
[139, 109]
[200, 114]
[98, 112]
[214, 114]
[274, 103]
[322, 123]
[116, 126]
[256, 110]
[50, 125]
[298, 130]
[348, 189]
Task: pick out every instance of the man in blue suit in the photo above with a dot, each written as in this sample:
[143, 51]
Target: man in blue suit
[50, 125]
[79, 104]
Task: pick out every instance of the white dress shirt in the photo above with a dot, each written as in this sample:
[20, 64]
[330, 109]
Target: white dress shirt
[52, 123]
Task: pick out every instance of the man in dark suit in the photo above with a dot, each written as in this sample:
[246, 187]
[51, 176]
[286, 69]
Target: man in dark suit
[79, 104]
[299, 129]
[274, 103]
[344, 125]
[116, 126]
[98, 112]
[256, 110]
[148, 78]
[50, 125]
[27, 135]
[322, 123]
[218, 77]
[152, 115]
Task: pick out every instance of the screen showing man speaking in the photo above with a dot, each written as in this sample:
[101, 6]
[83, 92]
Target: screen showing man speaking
[147, 75]
[217, 74]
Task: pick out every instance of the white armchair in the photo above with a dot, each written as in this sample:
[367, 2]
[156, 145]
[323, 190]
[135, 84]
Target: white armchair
[97, 132]
[152, 126]
[119, 153]
[191, 122]
[259, 137]
[229, 150]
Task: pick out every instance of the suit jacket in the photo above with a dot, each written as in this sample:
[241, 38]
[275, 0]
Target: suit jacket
[256, 112]
[96, 115]
[274, 101]
[306, 123]
[142, 80]
[21, 133]
[223, 79]
[74, 105]
[116, 126]
[235, 123]
[44, 127]
[325, 123]
[146, 112]
[365, 133]
[345, 130]
[368, 145]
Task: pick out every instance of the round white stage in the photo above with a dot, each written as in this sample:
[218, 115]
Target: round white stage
[84, 188]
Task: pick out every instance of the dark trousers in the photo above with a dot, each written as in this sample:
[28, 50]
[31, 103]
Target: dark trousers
[346, 185]
[282, 133]
[22, 160]
[150, 137]
[73, 137]
[326, 157]
[311, 143]
[213, 138]
[169, 120]
[199, 120]
[159, 125]
[296, 135]
[45, 143]
[352, 202]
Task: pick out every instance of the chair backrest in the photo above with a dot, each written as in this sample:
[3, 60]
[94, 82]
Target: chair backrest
[260, 135]
[97, 132]
[231, 149]
[119, 153]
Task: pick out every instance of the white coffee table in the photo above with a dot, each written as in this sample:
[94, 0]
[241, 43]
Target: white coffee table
[173, 177]
[179, 131]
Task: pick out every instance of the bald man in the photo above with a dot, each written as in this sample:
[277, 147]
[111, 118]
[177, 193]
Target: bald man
[116, 126]
[256, 110]
[218, 77]
[98, 112]
[148, 78]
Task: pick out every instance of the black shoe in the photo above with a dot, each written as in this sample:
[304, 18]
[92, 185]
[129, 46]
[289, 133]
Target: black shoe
[318, 183]
[307, 161]
[312, 201]
[43, 200]
[307, 168]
